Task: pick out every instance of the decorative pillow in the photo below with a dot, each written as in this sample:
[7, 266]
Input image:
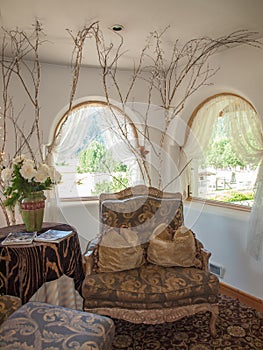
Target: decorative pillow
[179, 251]
[129, 235]
[118, 251]
[162, 232]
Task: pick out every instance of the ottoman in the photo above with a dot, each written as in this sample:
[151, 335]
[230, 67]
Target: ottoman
[37, 325]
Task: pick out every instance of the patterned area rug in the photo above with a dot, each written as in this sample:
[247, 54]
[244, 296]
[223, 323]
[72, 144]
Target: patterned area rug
[238, 327]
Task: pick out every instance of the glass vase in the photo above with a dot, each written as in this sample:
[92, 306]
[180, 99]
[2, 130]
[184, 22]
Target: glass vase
[32, 210]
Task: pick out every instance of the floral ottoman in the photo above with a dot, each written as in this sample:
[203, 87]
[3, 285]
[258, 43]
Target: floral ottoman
[40, 326]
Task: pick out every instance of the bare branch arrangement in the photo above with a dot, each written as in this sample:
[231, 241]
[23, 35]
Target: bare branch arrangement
[172, 78]
[79, 41]
[15, 49]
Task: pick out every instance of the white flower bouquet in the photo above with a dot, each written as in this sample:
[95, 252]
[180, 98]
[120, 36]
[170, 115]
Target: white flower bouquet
[25, 177]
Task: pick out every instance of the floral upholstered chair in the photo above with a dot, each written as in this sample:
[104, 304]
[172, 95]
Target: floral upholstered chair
[145, 266]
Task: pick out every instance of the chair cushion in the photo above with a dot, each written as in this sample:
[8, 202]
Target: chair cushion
[150, 286]
[178, 251]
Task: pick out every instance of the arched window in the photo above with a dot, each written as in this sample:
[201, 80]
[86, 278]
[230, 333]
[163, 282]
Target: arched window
[93, 148]
[224, 144]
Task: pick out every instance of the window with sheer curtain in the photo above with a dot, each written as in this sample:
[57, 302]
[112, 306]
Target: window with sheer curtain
[225, 164]
[91, 153]
[225, 149]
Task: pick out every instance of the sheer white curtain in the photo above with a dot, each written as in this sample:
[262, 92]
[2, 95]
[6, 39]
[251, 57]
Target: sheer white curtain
[71, 136]
[244, 129]
[69, 139]
[243, 123]
[121, 141]
[75, 133]
[198, 137]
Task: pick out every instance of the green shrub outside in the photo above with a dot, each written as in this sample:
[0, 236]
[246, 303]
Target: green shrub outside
[234, 197]
[118, 183]
[97, 159]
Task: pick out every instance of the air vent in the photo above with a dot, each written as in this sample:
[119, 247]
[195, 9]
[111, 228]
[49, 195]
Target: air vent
[216, 269]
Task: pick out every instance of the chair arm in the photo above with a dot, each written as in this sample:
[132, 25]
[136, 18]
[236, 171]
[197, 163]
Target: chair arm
[88, 256]
[204, 255]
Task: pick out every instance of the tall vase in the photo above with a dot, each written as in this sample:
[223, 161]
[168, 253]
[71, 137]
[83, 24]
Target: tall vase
[32, 210]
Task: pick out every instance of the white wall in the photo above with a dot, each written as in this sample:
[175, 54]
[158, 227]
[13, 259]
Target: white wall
[222, 231]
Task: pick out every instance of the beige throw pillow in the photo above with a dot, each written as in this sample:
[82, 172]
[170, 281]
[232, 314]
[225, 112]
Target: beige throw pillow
[118, 251]
[162, 231]
[179, 251]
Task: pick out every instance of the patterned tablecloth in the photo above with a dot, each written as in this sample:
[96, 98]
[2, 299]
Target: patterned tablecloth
[25, 268]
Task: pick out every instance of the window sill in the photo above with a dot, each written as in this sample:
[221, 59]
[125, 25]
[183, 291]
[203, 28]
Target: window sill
[79, 199]
[196, 207]
[189, 199]
[219, 204]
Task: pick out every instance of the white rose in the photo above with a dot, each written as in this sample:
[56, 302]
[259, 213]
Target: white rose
[42, 173]
[18, 159]
[6, 175]
[54, 175]
[27, 170]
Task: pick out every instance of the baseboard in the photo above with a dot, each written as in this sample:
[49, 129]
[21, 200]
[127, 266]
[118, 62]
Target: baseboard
[243, 297]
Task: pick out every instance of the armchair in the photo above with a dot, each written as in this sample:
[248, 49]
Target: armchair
[144, 266]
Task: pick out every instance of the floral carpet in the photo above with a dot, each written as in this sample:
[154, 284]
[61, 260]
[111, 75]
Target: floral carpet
[238, 327]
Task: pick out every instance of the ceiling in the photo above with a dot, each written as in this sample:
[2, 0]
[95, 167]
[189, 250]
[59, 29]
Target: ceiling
[187, 19]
